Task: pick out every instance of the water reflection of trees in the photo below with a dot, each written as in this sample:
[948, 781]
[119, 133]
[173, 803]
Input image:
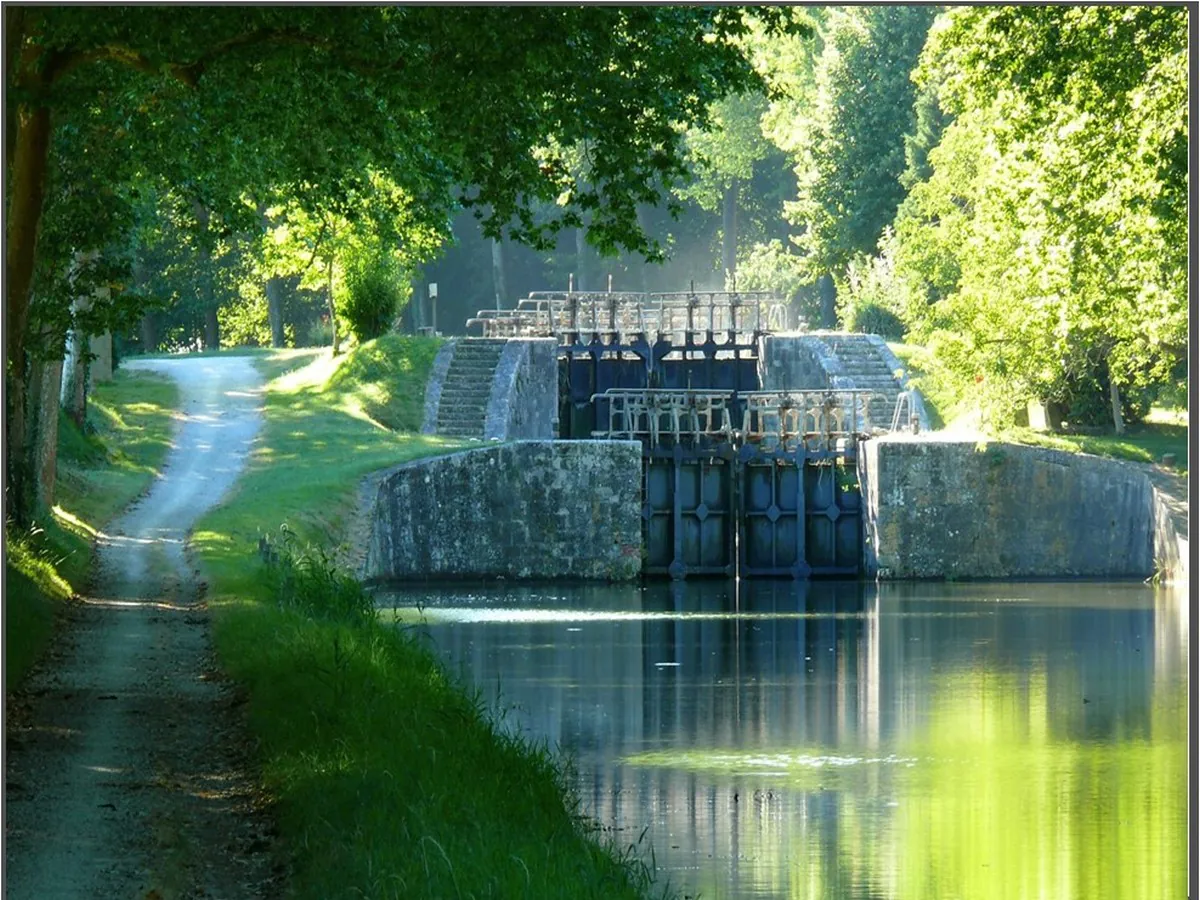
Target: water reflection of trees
[981, 771]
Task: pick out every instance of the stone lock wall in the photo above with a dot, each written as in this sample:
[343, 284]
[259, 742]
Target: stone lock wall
[792, 362]
[522, 510]
[958, 509]
[523, 404]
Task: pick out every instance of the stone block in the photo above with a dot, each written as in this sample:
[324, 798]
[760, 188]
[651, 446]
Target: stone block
[955, 509]
[524, 510]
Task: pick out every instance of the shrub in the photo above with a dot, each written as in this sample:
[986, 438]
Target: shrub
[375, 293]
[873, 295]
[871, 318]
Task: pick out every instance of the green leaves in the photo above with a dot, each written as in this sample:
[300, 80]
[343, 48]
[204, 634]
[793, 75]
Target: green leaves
[1048, 231]
[852, 150]
[447, 104]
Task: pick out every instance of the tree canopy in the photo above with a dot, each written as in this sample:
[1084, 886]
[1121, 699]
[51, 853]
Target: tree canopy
[1046, 250]
[231, 106]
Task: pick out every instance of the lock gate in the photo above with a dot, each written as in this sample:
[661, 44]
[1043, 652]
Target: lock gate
[753, 484]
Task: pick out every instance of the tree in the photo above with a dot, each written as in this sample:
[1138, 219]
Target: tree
[451, 104]
[726, 154]
[852, 150]
[1046, 249]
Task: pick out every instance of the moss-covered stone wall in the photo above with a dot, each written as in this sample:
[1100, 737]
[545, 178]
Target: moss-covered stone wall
[522, 510]
[938, 508]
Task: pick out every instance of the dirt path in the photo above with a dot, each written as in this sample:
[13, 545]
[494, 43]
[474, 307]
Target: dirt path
[127, 777]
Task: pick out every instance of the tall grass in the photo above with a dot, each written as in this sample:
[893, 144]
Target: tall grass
[391, 778]
[101, 469]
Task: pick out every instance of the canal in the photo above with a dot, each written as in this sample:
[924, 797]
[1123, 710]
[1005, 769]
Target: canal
[851, 741]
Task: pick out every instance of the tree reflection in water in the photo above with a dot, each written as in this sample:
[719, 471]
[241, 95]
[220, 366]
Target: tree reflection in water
[845, 740]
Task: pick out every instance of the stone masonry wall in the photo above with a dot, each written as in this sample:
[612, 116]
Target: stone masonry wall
[433, 387]
[523, 510]
[797, 362]
[523, 404]
[1171, 561]
[955, 509]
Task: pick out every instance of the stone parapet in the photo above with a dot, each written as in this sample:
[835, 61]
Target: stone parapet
[523, 403]
[522, 510]
[433, 387]
[957, 509]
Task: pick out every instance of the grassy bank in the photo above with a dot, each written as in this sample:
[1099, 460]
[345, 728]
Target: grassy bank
[101, 470]
[391, 781]
[948, 403]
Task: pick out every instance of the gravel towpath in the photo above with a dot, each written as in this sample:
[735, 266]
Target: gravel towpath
[128, 770]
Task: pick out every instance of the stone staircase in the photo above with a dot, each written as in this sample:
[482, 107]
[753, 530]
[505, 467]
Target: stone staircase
[462, 408]
[862, 363]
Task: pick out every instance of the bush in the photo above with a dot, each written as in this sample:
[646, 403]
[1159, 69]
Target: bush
[871, 318]
[375, 295]
[873, 295]
[244, 320]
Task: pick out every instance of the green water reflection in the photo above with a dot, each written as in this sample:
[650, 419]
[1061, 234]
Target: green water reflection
[834, 741]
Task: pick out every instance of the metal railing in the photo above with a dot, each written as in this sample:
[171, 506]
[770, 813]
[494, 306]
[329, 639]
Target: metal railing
[820, 418]
[567, 315]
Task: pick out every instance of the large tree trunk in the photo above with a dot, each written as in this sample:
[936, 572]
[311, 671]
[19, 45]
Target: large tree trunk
[274, 290]
[74, 378]
[101, 351]
[643, 269]
[212, 328]
[208, 293]
[1114, 397]
[729, 234]
[149, 331]
[75, 368]
[499, 284]
[828, 294]
[28, 156]
[45, 385]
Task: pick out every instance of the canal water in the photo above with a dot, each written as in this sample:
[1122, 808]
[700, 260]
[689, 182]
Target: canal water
[844, 740]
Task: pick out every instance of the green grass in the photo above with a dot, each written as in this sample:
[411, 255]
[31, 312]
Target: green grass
[390, 778]
[387, 377]
[1141, 443]
[1164, 431]
[100, 472]
[33, 592]
[944, 398]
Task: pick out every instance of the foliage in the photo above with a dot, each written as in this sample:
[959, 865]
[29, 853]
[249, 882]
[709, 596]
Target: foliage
[872, 300]
[1045, 251]
[237, 109]
[870, 317]
[245, 320]
[851, 144]
[375, 294]
[775, 267]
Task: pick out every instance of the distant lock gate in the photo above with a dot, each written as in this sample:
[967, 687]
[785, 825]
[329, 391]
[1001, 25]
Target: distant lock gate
[737, 481]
